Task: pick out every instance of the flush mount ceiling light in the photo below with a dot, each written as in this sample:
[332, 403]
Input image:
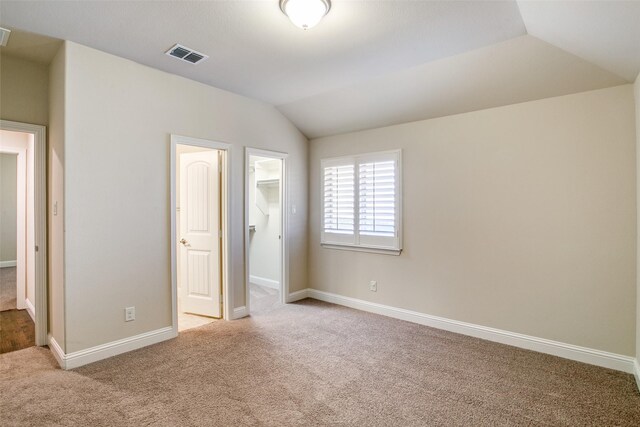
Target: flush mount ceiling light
[305, 13]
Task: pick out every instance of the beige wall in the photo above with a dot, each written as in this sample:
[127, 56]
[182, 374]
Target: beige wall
[520, 218]
[119, 117]
[636, 88]
[55, 195]
[24, 87]
[8, 206]
[24, 97]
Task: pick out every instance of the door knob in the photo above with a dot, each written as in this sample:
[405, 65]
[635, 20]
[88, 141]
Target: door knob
[184, 242]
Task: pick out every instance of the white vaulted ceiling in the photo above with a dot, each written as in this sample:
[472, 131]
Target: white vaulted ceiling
[517, 70]
[368, 63]
[606, 33]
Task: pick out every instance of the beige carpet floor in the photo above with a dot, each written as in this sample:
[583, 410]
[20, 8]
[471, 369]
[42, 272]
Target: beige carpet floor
[7, 288]
[263, 299]
[312, 364]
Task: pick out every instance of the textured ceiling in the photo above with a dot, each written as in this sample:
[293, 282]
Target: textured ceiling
[254, 49]
[368, 63]
[518, 70]
[606, 33]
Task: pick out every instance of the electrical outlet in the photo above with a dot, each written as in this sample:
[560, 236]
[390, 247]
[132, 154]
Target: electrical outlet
[373, 286]
[129, 314]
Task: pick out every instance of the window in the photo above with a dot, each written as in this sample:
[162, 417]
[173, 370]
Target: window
[361, 202]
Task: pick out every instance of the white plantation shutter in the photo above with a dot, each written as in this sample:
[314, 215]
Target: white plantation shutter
[339, 199]
[339, 202]
[377, 198]
[361, 201]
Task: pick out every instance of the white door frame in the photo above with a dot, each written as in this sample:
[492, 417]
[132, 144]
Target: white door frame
[40, 222]
[284, 218]
[225, 266]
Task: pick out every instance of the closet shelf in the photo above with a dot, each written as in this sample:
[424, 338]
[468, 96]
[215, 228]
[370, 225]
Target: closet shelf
[267, 183]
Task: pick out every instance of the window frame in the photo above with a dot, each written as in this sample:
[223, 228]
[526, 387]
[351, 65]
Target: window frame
[354, 242]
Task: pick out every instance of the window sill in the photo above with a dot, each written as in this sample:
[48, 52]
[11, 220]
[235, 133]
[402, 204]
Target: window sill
[355, 248]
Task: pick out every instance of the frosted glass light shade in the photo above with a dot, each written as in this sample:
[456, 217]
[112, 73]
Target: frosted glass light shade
[305, 13]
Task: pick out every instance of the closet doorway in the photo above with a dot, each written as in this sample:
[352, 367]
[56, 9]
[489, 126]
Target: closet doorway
[265, 219]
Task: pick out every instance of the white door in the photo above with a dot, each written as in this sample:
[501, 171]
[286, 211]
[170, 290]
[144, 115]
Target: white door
[200, 290]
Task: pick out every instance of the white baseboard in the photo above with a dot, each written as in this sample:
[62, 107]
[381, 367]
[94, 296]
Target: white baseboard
[262, 281]
[568, 351]
[240, 312]
[57, 351]
[4, 264]
[636, 372]
[298, 295]
[104, 351]
[31, 310]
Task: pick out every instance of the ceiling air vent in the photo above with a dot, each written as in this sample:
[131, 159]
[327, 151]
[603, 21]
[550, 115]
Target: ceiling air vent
[186, 54]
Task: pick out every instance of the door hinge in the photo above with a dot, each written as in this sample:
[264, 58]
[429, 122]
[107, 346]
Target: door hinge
[219, 234]
[37, 248]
